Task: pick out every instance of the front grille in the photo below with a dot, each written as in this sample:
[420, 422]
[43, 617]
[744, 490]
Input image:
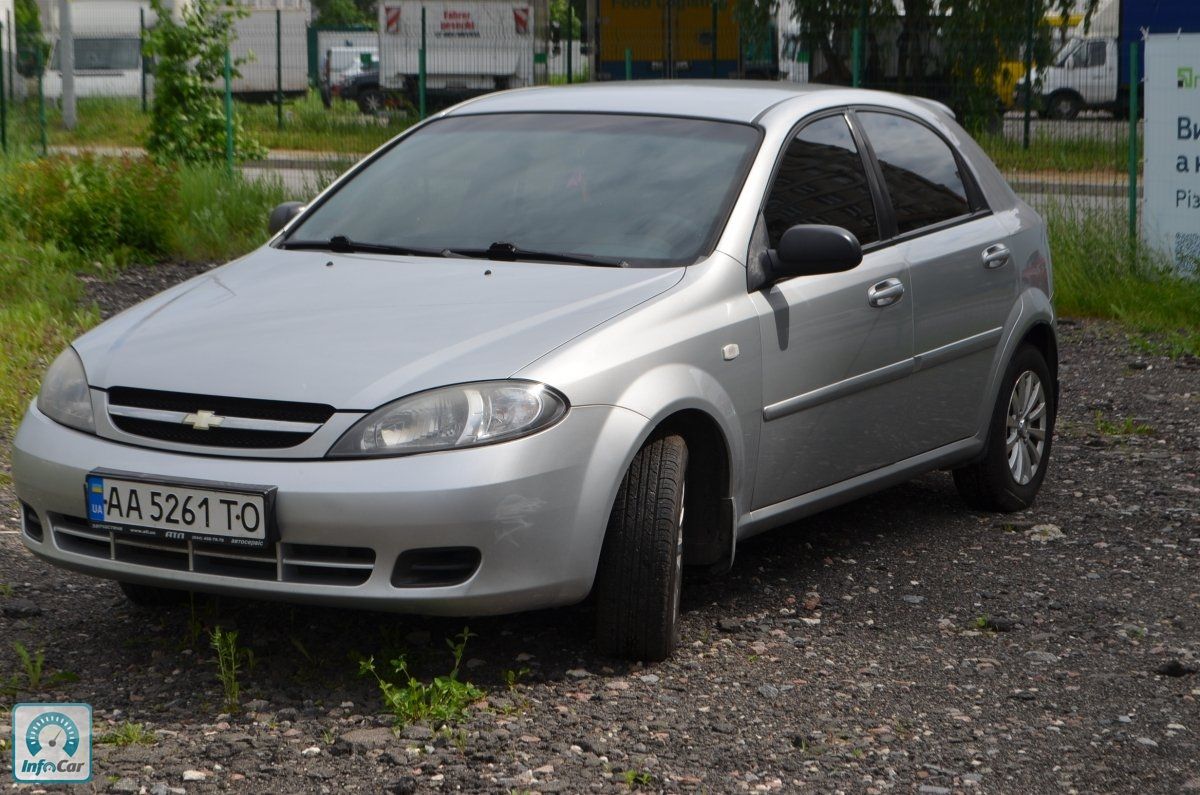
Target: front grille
[213, 437]
[260, 424]
[308, 564]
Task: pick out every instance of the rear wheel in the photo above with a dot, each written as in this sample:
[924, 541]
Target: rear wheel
[639, 579]
[1063, 105]
[153, 596]
[1009, 474]
[372, 101]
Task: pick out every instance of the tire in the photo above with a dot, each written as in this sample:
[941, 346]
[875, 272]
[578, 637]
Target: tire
[152, 596]
[371, 101]
[639, 577]
[995, 482]
[1063, 105]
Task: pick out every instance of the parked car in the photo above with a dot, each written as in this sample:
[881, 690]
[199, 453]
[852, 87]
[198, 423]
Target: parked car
[558, 342]
[339, 65]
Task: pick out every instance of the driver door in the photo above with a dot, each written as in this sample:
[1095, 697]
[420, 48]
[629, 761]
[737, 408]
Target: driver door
[837, 348]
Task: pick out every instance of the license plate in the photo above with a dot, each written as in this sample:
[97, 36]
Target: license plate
[213, 513]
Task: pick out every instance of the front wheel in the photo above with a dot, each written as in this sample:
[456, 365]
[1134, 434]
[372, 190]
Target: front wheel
[641, 565]
[1020, 433]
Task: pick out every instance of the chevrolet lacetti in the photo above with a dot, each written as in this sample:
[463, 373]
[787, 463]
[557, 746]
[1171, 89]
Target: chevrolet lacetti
[562, 342]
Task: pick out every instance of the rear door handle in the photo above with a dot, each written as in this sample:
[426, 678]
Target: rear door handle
[885, 293]
[996, 256]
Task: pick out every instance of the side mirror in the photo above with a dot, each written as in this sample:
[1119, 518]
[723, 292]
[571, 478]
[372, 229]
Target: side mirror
[282, 214]
[810, 249]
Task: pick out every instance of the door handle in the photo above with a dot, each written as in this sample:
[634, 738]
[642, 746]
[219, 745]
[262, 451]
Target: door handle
[885, 293]
[996, 256]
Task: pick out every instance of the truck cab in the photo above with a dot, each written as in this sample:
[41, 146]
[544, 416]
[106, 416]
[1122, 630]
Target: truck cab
[1083, 76]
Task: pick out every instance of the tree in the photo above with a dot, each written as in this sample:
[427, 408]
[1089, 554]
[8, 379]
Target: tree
[950, 50]
[343, 13]
[32, 47]
[187, 119]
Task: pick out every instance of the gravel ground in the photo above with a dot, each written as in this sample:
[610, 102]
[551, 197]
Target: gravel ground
[897, 644]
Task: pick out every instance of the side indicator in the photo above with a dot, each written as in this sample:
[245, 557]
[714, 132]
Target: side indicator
[730, 351]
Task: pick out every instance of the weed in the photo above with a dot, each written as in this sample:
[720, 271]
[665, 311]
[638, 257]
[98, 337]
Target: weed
[128, 733]
[980, 622]
[328, 736]
[5, 589]
[458, 738]
[1125, 427]
[443, 701]
[513, 678]
[637, 779]
[230, 658]
[32, 676]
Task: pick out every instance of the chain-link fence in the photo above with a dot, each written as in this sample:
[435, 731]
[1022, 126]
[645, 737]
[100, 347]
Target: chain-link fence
[1050, 99]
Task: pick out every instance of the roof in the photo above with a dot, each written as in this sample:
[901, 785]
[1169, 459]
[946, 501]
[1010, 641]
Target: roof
[726, 100]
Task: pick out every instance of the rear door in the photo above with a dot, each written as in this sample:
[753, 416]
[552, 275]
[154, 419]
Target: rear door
[963, 282]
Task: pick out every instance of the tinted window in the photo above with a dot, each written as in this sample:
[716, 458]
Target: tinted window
[919, 170]
[103, 54]
[650, 190]
[822, 181]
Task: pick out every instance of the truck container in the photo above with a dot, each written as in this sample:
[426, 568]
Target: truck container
[471, 46]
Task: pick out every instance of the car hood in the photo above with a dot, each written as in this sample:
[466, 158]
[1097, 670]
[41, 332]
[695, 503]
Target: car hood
[355, 331]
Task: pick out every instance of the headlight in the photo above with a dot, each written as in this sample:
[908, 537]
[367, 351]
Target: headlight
[466, 415]
[65, 396]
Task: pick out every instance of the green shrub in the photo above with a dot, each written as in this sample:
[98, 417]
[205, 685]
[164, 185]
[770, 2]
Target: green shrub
[218, 216]
[102, 207]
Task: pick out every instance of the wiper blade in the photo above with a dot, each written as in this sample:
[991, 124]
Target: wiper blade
[340, 244]
[508, 252]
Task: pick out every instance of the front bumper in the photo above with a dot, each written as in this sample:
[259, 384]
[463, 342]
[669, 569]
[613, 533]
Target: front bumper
[536, 510]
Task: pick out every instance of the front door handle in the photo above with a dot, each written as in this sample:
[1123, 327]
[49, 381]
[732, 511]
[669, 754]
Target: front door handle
[885, 293]
[996, 256]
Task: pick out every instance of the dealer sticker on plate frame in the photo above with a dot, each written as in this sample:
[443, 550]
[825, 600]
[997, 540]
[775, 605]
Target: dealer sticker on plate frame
[230, 514]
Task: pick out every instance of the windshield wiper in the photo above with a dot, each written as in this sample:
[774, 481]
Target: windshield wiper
[508, 252]
[340, 244]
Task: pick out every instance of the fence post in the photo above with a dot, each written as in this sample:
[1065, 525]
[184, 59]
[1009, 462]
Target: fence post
[12, 53]
[570, 38]
[3, 98]
[628, 63]
[856, 45]
[41, 100]
[1029, 23]
[1134, 112]
[421, 67]
[713, 57]
[142, 52]
[228, 111]
[278, 69]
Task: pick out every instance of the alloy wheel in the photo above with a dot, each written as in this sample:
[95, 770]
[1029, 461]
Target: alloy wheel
[1025, 427]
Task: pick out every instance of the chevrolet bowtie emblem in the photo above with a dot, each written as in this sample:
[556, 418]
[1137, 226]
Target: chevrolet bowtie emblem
[203, 420]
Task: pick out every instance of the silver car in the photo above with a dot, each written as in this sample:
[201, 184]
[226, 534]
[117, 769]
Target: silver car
[558, 342]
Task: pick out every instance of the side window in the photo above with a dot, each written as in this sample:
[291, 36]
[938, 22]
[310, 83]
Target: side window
[1097, 53]
[919, 170]
[822, 180]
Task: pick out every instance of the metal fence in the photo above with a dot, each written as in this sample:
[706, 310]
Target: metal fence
[1067, 138]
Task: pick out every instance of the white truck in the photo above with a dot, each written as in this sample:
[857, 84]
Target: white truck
[108, 54]
[471, 46]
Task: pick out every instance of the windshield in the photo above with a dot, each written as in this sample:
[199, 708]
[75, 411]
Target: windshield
[1066, 51]
[652, 191]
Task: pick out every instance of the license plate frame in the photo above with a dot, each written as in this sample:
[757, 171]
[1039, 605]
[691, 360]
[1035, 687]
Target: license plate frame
[250, 494]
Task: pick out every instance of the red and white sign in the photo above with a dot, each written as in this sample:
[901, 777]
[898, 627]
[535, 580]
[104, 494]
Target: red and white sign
[391, 15]
[521, 19]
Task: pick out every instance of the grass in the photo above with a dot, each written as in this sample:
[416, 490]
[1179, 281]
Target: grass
[307, 125]
[1098, 274]
[33, 676]
[443, 701]
[1047, 153]
[1124, 427]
